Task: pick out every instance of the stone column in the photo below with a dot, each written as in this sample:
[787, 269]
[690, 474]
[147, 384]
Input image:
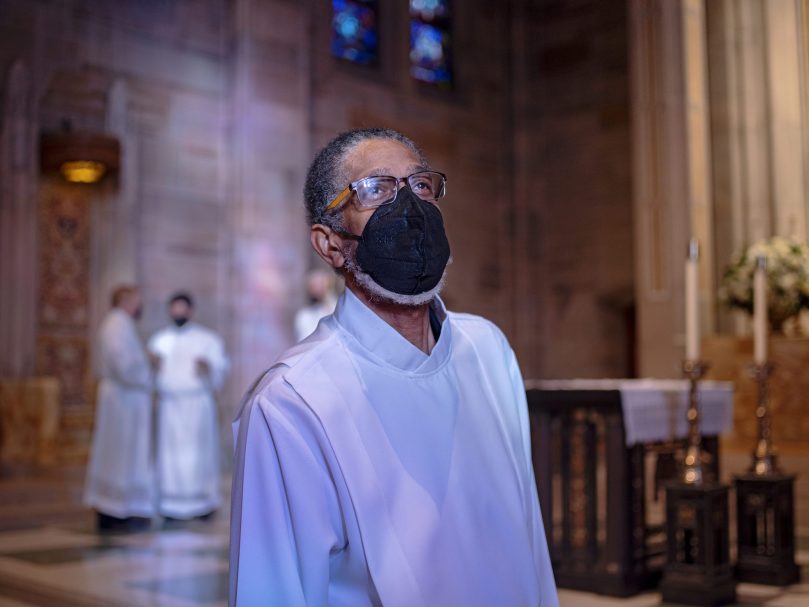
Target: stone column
[270, 140]
[786, 96]
[18, 221]
[114, 259]
[757, 57]
[672, 193]
[738, 127]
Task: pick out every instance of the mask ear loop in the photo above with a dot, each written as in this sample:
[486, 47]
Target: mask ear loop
[344, 234]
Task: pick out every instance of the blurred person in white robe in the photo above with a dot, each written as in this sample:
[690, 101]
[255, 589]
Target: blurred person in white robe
[386, 459]
[120, 478]
[320, 290]
[192, 366]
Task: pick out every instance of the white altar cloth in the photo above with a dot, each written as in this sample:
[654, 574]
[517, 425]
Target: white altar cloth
[655, 409]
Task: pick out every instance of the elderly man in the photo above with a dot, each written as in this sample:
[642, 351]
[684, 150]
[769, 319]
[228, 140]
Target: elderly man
[120, 477]
[386, 459]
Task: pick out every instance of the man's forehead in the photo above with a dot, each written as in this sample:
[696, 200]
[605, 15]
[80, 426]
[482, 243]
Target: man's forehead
[381, 157]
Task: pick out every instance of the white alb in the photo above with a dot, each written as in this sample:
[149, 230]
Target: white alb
[188, 469]
[120, 478]
[370, 473]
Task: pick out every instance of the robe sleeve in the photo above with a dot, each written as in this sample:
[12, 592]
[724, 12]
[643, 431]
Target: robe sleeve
[285, 517]
[218, 362]
[539, 541]
[155, 344]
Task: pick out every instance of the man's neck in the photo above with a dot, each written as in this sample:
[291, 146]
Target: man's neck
[411, 322]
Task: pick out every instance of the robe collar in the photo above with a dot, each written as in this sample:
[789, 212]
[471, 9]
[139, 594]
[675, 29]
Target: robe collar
[376, 340]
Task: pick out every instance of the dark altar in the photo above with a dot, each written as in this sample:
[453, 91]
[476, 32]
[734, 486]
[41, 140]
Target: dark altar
[602, 499]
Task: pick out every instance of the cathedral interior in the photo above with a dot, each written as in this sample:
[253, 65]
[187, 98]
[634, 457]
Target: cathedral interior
[585, 143]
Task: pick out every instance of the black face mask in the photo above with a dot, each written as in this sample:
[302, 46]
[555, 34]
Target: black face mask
[404, 247]
[179, 320]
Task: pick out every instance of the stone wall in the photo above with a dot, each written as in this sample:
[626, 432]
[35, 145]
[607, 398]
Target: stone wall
[219, 107]
[156, 75]
[573, 180]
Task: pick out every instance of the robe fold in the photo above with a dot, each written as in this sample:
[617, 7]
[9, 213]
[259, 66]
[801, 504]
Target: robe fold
[187, 420]
[120, 479]
[369, 473]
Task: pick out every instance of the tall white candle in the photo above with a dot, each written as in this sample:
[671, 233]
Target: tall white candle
[692, 302]
[760, 311]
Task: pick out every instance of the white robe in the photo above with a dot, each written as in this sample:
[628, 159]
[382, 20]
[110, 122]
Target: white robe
[188, 428]
[120, 477]
[368, 473]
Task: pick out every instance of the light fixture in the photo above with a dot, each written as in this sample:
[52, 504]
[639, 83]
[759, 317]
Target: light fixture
[79, 156]
[82, 171]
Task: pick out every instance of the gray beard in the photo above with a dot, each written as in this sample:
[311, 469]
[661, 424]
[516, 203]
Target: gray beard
[378, 293]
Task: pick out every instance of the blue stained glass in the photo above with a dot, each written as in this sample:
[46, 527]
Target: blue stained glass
[428, 10]
[354, 31]
[429, 54]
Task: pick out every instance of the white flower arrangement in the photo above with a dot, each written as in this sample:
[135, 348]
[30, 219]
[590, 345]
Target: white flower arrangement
[787, 278]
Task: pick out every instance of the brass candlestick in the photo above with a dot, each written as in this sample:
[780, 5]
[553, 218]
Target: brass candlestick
[693, 471]
[764, 456]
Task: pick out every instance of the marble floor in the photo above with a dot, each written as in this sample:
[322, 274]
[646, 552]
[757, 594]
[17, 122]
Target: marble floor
[69, 567]
[50, 555]
[187, 567]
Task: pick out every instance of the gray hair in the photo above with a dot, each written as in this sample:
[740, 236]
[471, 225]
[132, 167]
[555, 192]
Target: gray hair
[327, 176]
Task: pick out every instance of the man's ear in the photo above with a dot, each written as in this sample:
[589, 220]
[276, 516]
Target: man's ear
[328, 245]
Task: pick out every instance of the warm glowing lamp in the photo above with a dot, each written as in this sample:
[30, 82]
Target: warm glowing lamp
[82, 171]
[80, 157]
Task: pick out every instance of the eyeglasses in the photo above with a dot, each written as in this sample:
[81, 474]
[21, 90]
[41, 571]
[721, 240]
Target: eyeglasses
[373, 192]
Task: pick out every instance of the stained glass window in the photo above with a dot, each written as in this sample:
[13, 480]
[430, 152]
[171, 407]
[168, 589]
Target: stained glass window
[431, 42]
[429, 9]
[354, 31]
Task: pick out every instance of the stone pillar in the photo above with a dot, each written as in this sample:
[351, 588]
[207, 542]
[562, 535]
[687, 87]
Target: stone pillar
[672, 193]
[114, 258]
[271, 150]
[786, 91]
[757, 57]
[525, 220]
[738, 128]
[18, 217]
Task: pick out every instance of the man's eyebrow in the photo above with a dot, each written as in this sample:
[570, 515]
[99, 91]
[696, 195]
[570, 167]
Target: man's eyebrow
[385, 171]
[380, 172]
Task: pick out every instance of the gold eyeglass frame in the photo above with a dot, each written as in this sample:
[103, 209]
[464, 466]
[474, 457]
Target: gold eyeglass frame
[352, 187]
